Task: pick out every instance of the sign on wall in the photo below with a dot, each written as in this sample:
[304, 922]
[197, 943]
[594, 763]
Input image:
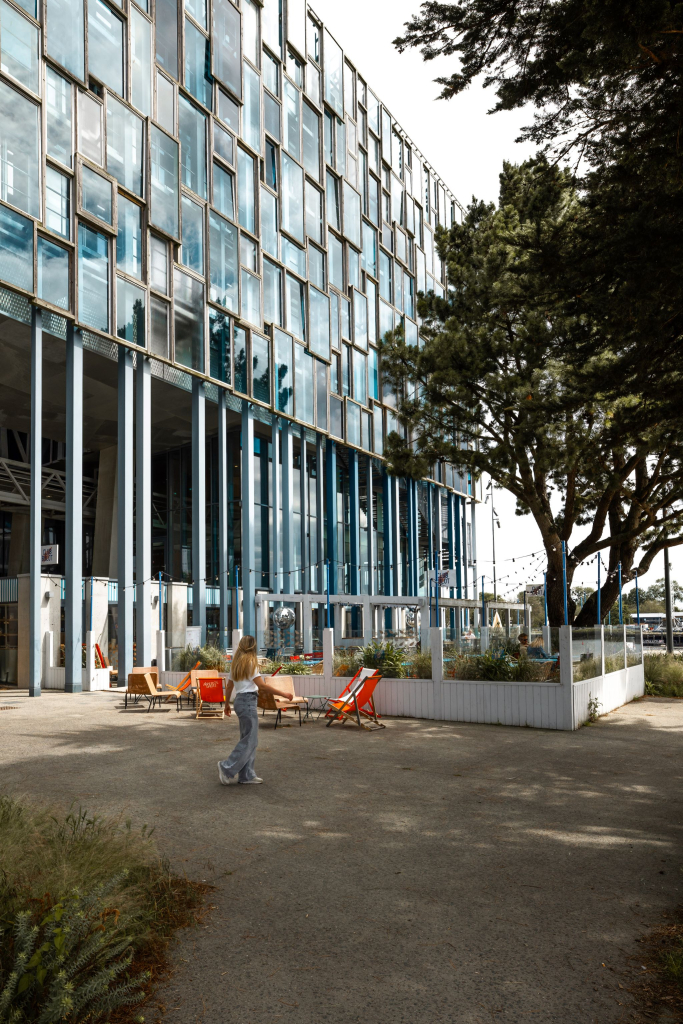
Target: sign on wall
[49, 554]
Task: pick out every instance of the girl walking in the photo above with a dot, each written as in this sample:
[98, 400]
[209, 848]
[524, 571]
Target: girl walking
[244, 678]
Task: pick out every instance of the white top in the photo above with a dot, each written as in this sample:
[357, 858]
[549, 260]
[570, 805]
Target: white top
[245, 685]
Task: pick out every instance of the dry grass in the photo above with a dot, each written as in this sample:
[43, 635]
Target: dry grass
[659, 988]
[664, 675]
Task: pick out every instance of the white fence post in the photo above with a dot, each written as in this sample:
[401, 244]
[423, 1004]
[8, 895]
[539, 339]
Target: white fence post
[566, 675]
[328, 652]
[436, 645]
[602, 650]
[547, 643]
[484, 638]
[625, 651]
[236, 637]
[161, 650]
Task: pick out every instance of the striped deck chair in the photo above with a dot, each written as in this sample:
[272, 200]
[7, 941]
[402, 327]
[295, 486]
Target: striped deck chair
[356, 702]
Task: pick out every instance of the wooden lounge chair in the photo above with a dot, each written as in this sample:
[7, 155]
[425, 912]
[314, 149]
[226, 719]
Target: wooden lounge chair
[210, 693]
[356, 701]
[141, 686]
[269, 702]
[184, 687]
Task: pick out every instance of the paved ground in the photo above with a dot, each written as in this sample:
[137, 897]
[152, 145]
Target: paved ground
[430, 872]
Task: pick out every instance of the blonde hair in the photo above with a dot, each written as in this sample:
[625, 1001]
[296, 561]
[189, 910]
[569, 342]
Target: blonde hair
[245, 660]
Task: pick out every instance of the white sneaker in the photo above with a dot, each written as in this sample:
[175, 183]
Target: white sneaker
[224, 779]
[250, 782]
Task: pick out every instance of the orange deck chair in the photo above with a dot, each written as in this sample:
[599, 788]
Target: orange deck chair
[356, 701]
[183, 687]
[210, 693]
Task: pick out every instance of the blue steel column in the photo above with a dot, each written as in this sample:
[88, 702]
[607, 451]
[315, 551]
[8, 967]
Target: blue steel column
[371, 529]
[459, 541]
[430, 528]
[73, 604]
[331, 490]
[223, 590]
[288, 576]
[354, 523]
[248, 511]
[125, 514]
[276, 500]
[303, 503]
[199, 505]
[319, 515]
[474, 548]
[395, 534]
[388, 543]
[143, 511]
[450, 498]
[35, 589]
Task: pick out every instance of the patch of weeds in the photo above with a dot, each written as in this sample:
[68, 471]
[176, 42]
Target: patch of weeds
[663, 675]
[658, 989]
[593, 713]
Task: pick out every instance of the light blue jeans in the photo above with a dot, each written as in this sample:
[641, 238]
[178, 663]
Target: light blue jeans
[241, 761]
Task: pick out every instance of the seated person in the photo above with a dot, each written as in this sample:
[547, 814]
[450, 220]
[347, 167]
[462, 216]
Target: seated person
[533, 650]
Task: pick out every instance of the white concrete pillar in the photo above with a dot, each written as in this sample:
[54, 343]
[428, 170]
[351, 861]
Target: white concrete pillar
[176, 613]
[328, 652]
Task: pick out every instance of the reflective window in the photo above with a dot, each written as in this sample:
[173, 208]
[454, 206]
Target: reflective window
[252, 47]
[192, 134]
[197, 61]
[271, 116]
[321, 394]
[336, 417]
[296, 307]
[386, 318]
[313, 84]
[269, 222]
[164, 182]
[311, 137]
[333, 211]
[314, 213]
[188, 320]
[371, 295]
[140, 62]
[227, 58]
[58, 117]
[351, 214]
[159, 320]
[57, 205]
[166, 35]
[292, 198]
[251, 119]
[53, 273]
[293, 257]
[284, 372]
[341, 148]
[96, 195]
[223, 143]
[90, 128]
[197, 8]
[373, 375]
[272, 25]
[292, 100]
[16, 249]
[105, 45]
[20, 140]
[130, 312]
[334, 319]
[369, 250]
[293, 64]
[67, 48]
[158, 262]
[329, 138]
[223, 191]
[124, 145]
[353, 267]
[93, 278]
[408, 295]
[251, 298]
[240, 359]
[272, 293]
[345, 317]
[385, 276]
[228, 111]
[353, 424]
[260, 368]
[223, 259]
[360, 320]
[165, 103]
[192, 249]
[129, 238]
[19, 47]
[333, 75]
[249, 253]
[245, 175]
[271, 74]
[335, 261]
[219, 346]
[319, 322]
[316, 267]
[270, 169]
[373, 200]
[305, 393]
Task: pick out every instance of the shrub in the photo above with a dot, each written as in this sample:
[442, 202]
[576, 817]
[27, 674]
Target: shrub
[492, 667]
[420, 665]
[287, 668]
[663, 675]
[386, 657]
[208, 656]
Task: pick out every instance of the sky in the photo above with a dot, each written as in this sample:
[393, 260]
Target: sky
[466, 146]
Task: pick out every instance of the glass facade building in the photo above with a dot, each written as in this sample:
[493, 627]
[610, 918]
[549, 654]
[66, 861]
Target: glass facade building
[208, 220]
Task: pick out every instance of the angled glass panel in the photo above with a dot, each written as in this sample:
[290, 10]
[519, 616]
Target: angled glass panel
[334, 93]
[228, 111]
[293, 257]
[319, 322]
[333, 210]
[252, 46]
[271, 73]
[16, 249]
[124, 145]
[57, 205]
[373, 374]
[292, 111]
[227, 56]
[271, 116]
[304, 365]
[245, 181]
[53, 273]
[140, 62]
[369, 250]
[296, 307]
[260, 372]
[219, 346]
[197, 8]
[251, 298]
[360, 319]
[165, 103]
[67, 48]
[311, 138]
[335, 251]
[223, 191]
[188, 319]
[105, 45]
[316, 267]
[197, 63]
[166, 35]
[96, 198]
[130, 312]
[58, 117]
[269, 233]
[192, 134]
[90, 132]
[19, 47]
[314, 213]
[284, 372]
[240, 359]
[129, 237]
[164, 182]
[251, 114]
[20, 139]
[93, 278]
[292, 198]
[272, 25]
[192, 249]
[159, 323]
[223, 240]
[223, 143]
[360, 386]
[272, 293]
[158, 262]
[321, 394]
[353, 424]
[371, 294]
[352, 214]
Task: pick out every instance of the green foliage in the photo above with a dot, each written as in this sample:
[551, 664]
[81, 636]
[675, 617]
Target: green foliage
[210, 657]
[493, 667]
[386, 657]
[593, 705]
[663, 675]
[672, 962]
[288, 668]
[419, 665]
